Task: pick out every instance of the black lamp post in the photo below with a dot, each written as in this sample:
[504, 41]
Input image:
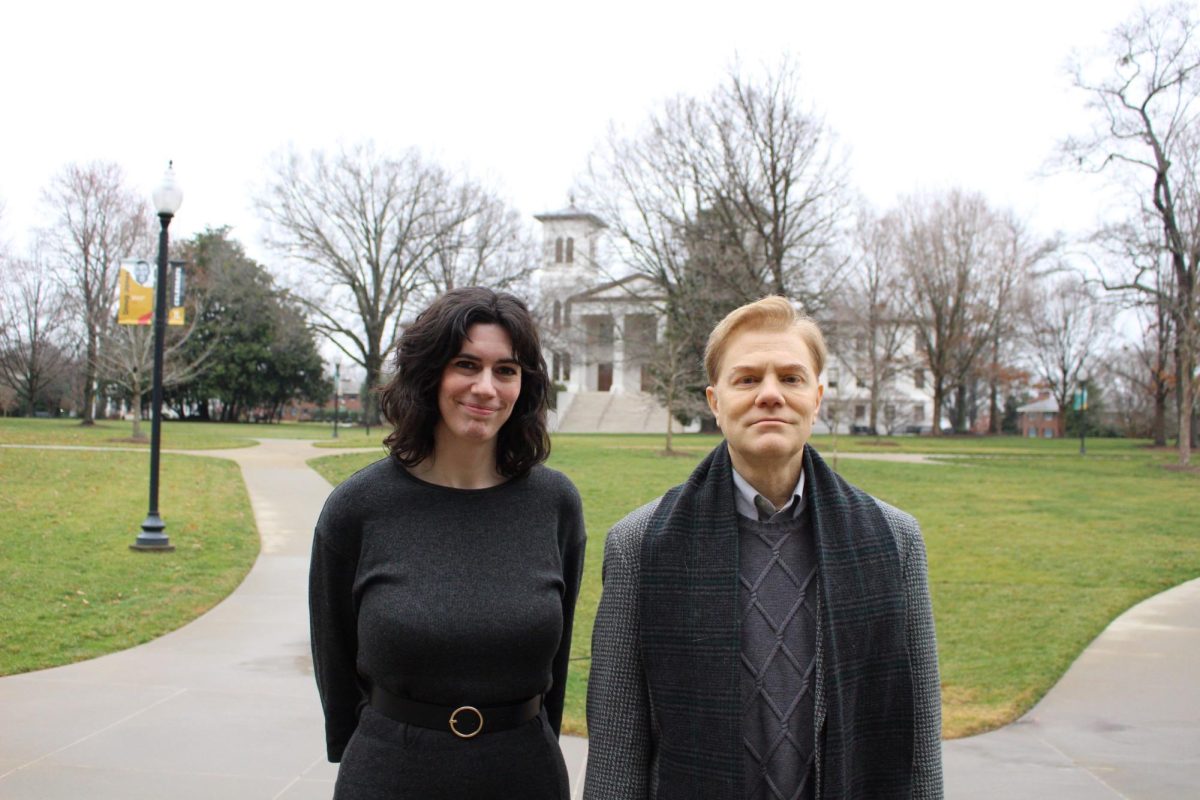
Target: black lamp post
[167, 199]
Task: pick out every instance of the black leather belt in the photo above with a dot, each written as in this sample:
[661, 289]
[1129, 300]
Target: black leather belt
[464, 722]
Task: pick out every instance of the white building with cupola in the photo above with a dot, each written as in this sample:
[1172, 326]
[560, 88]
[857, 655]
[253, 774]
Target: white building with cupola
[598, 330]
[600, 325]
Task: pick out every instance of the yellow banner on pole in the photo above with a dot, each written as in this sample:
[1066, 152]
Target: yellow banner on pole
[136, 304]
[137, 293]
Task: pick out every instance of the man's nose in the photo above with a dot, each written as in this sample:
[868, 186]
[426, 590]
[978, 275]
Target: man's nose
[769, 393]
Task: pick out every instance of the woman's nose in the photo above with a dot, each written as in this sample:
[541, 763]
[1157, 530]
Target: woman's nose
[484, 383]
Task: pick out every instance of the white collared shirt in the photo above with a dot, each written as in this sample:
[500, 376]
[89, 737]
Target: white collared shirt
[744, 498]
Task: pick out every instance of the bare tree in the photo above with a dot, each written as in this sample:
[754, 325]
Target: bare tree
[1145, 281]
[379, 233]
[720, 200]
[127, 360]
[1068, 328]
[1141, 377]
[780, 176]
[947, 249]
[1017, 265]
[1143, 91]
[482, 242]
[34, 352]
[98, 222]
[872, 330]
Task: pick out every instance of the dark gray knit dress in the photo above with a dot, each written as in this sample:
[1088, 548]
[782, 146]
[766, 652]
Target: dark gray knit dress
[451, 597]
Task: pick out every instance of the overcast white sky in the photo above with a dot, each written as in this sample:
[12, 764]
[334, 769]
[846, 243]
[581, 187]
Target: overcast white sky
[926, 94]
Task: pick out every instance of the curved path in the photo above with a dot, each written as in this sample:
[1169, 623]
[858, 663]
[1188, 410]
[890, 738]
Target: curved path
[225, 707]
[1123, 722]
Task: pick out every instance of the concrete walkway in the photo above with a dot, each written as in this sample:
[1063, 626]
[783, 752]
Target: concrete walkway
[1124, 722]
[225, 707]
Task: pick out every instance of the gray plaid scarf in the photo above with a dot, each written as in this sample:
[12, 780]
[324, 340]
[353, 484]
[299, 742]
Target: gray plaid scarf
[691, 638]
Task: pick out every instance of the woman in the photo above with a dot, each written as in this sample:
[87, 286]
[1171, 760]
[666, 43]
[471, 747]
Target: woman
[444, 576]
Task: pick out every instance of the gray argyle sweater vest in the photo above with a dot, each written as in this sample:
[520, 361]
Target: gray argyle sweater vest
[778, 595]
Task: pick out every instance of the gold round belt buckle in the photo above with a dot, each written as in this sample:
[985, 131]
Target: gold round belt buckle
[454, 722]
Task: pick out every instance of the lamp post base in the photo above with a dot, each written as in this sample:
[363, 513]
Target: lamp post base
[152, 539]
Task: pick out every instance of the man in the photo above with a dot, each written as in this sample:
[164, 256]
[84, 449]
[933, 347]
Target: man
[765, 629]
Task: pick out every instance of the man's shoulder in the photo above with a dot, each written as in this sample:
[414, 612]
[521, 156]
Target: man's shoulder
[628, 533]
[904, 526]
[895, 518]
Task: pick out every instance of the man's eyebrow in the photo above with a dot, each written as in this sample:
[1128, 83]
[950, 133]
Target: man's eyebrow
[795, 366]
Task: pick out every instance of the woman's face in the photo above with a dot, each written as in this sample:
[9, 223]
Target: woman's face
[480, 386]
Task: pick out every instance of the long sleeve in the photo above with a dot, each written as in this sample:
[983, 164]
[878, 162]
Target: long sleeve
[618, 704]
[334, 632]
[922, 649]
[572, 543]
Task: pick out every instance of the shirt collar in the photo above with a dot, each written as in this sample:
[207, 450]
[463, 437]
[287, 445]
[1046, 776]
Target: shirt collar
[743, 498]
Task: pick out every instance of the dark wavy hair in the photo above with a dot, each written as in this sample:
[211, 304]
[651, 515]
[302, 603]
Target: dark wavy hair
[409, 400]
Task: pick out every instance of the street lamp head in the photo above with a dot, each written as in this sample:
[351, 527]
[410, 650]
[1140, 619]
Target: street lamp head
[168, 196]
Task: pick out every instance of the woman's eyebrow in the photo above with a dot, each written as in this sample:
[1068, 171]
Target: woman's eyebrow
[505, 360]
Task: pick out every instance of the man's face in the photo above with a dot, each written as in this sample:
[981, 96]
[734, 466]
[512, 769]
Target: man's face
[766, 396]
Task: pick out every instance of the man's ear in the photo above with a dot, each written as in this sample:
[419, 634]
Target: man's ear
[711, 395]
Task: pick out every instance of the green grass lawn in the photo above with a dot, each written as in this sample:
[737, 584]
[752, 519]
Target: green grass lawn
[72, 587]
[1031, 554]
[176, 435]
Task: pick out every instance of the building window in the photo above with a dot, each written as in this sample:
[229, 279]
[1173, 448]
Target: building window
[557, 314]
[556, 359]
[918, 412]
[570, 250]
[1048, 433]
[889, 412]
[558, 250]
[919, 379]
[860, 412]
[566, 366]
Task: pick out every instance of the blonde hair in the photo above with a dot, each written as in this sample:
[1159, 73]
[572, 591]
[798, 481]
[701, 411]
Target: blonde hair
[773, 313]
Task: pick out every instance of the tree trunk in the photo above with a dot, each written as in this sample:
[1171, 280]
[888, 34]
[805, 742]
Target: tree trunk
[939, 395]
[1185, 414]
[670, 427]
[374, 365]
[89, 380]
[1159, 429]
[1183, 391]
[137, 414]
[960, 409]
